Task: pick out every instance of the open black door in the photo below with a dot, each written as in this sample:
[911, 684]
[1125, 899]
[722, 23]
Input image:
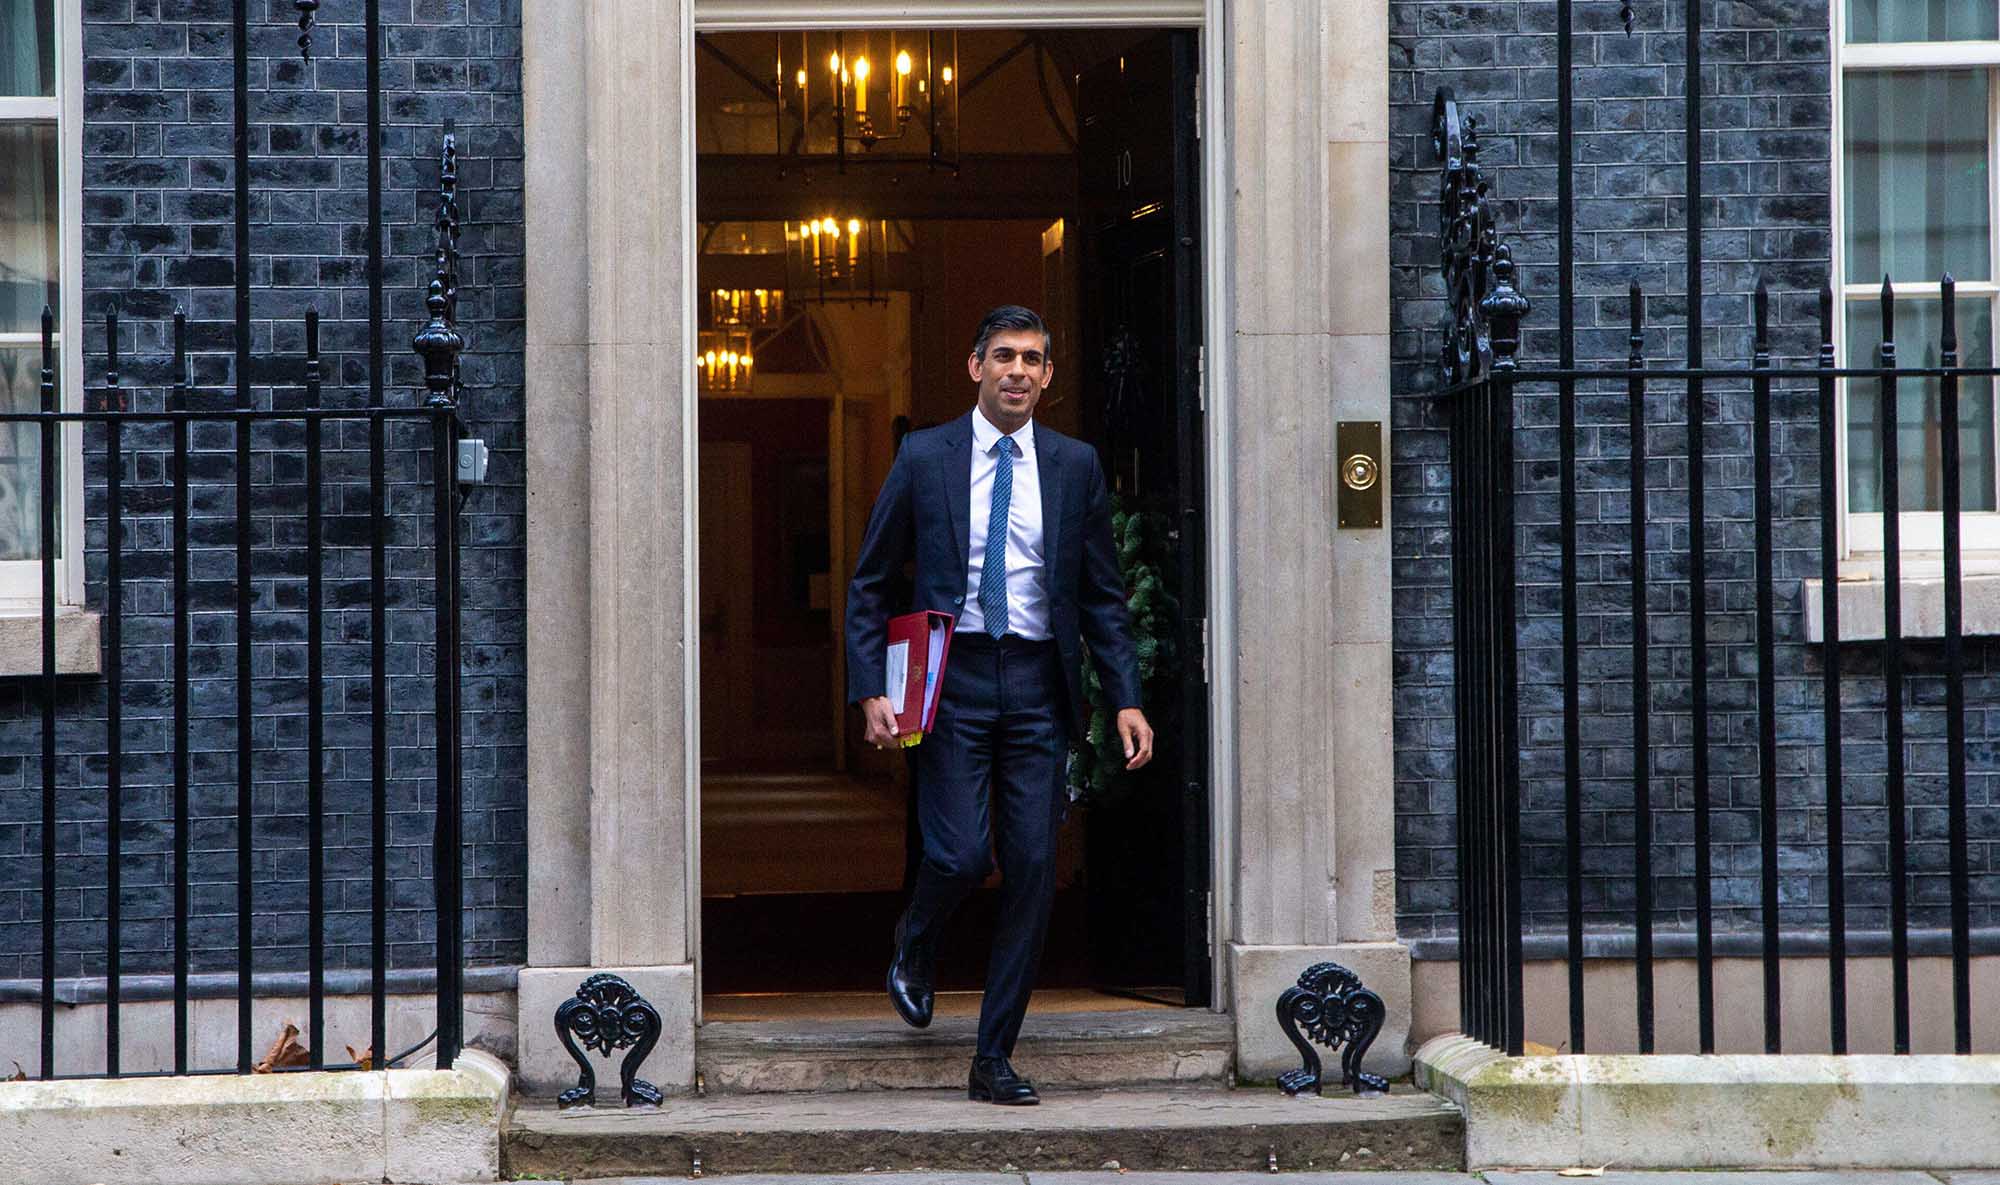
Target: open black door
[1147, 849]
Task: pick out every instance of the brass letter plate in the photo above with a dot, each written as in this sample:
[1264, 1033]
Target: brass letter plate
[1359, 447]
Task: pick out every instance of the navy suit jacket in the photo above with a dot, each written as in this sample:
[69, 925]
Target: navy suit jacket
[924, 513]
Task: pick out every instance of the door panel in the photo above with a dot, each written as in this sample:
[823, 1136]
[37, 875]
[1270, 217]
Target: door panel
[727, 601]
[1148, 850]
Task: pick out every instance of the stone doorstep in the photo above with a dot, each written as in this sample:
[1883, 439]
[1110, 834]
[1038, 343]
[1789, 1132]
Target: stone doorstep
[1147, 1047]
[1719, 1111]
[940, 1130]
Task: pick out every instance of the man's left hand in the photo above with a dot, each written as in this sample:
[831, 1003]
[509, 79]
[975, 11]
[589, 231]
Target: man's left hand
[1137, 735]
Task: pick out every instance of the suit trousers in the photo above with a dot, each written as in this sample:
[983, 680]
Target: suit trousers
[991, 775]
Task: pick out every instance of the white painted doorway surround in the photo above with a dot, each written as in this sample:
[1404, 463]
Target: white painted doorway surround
[1294, 100]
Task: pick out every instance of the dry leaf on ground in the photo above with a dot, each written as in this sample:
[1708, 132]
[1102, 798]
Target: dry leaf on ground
[285, 1052]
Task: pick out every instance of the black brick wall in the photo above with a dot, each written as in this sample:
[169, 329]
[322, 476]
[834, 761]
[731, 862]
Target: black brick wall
[1766, 212]
[159, 234]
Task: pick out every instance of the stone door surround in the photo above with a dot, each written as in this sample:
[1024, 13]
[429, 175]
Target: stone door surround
[1295, 144]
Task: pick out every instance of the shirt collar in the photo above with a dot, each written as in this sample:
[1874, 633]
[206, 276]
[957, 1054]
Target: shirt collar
[985, 435]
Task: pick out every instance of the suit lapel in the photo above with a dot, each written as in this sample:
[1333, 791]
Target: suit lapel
[1049, 467]
[957, 475]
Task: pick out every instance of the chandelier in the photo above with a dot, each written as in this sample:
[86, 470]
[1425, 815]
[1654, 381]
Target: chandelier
[870, 96]
[756, 308]
[723, 359]
[837, 257]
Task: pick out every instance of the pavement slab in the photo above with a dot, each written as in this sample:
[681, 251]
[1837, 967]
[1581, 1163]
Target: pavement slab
[1487, 1177]
[1717, 1177]
[1077, 1178]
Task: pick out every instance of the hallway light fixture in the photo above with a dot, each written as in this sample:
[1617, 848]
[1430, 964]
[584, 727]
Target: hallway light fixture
[723, 359]
[871, 96]
[836, 257]
[755, 308]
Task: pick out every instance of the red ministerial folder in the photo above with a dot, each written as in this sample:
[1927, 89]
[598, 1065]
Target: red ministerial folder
[918, 643]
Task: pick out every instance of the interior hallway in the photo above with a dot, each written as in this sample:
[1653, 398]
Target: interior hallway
[800, 833]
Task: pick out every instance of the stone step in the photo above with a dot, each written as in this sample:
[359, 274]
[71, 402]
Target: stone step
[853, 1131]
[1141, 1047]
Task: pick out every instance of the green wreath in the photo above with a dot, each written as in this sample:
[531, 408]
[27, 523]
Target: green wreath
[1097, 766]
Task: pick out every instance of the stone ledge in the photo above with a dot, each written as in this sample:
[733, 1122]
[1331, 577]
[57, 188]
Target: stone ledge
[1719, 1111]
[77, 649]
[421, 1127]
[1863, 606]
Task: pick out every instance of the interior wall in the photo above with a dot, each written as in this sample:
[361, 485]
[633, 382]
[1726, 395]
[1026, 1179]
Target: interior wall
[967, 269]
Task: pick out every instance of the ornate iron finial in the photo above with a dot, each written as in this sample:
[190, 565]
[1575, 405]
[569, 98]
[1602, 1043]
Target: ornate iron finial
[447, 224]
[1503, 307]
[1625, 15]
[308, 16]
[1330, 1006]
[1470, 251]
[607, 1014]
[439, 342]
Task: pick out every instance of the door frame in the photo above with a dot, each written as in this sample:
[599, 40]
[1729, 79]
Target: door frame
[1204, 16]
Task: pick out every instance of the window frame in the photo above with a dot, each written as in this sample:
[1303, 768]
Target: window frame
[1862, 533]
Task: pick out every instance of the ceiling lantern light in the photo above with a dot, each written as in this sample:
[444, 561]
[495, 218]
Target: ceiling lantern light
[906, 112]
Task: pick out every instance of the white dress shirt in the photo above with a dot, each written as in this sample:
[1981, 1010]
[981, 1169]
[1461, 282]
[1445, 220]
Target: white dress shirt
[1027, 573]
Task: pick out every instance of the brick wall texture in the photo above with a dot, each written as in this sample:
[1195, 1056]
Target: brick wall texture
[1766, 212]
[158, 235]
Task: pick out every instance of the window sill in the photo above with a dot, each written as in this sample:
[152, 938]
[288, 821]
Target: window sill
[77, 649]
[1862, 597]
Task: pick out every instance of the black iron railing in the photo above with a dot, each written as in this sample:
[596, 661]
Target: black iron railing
[1486, 624]
[1484, 388]
[126, 439]
[130, 441]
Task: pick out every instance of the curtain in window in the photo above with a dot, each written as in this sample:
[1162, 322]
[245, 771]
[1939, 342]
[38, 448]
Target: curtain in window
[30, 260]
[1917, 206]
[1919, 444]
[27, 48]
[1920, 20]
[29, 268]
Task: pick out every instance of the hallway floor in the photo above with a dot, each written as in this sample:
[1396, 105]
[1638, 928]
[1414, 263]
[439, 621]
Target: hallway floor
[800, 833]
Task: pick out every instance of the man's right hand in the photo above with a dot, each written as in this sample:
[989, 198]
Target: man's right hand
[881, 721]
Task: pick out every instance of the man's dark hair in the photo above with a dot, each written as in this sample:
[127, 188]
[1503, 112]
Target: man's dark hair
[1008, 317]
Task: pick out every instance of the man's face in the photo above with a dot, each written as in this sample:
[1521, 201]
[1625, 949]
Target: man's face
[1011, 376]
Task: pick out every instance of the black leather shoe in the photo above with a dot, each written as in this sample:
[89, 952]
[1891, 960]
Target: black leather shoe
[993, 1080]
[910, 979]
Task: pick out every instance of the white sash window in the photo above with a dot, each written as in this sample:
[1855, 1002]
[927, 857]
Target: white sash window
[40, 266]
[1916, 96]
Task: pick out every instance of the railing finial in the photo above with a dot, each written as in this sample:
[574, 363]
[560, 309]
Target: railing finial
[308, 16]
[439, 342]
[1484, 303]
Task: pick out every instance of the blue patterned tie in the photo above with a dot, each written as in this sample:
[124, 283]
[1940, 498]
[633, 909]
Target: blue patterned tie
[993, 572]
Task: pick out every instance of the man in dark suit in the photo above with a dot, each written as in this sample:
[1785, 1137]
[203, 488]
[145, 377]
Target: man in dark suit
[1010, 527]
